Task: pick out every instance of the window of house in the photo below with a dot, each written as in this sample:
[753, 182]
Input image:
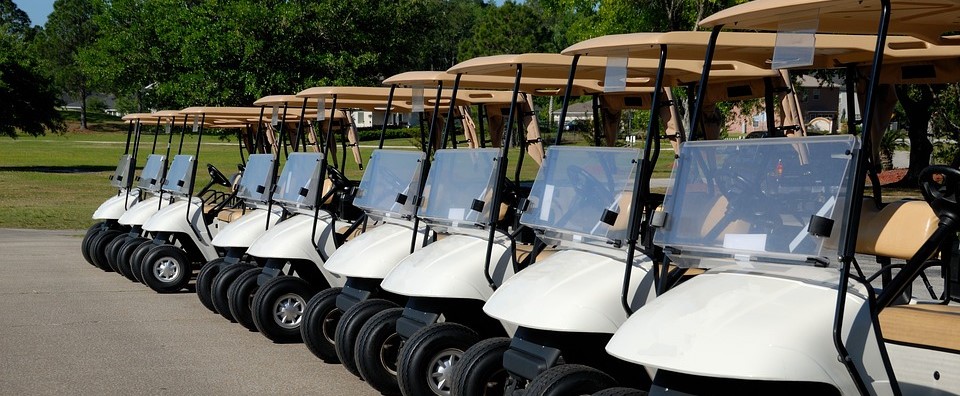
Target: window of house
[816, 94]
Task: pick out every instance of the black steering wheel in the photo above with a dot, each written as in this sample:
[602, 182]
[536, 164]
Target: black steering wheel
[941, 192]
[585, 184]
[734, 186]
[337, 177]
[217, 177]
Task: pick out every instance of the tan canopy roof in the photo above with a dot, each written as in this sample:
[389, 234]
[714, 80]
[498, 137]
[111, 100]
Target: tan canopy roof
[926, 19]
[376, 97]
[222, 112]
[537, 86]
[757, 48]
[640, 70]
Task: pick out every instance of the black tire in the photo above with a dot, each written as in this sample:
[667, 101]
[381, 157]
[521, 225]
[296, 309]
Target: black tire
[240, 297]
[136, 259]
[113, 249]
[480, 371]
[349, 328]
[126, 254]
[278, 308]
[88, 239]
[205, 282]
[569, 379]
[620, 391]
[166, 269]
[98, 249]
[220, 288]
[377, 351]
[427, 358]
[319, 325]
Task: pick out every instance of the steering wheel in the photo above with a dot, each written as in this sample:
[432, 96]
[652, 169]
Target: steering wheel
[216, 176]
[941, 193]
[337, 177]
[734, 186]
[585, 184]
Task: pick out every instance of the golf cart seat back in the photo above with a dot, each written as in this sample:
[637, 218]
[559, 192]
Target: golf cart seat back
[524, 251]
[897, 230]
[922, 325]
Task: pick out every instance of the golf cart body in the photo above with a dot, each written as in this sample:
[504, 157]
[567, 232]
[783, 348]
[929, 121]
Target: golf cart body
[297, 190]
[253, 189]
[184, 214]
[390, 178]
[579, 203]
[763, 216]
[115, 206]
[149, 182]
[456, 200]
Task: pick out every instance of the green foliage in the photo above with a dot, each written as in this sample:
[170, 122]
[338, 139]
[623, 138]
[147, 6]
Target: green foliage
[945, 122]
[509, 29]
[392, 133]
[68, 32]
[27, 98]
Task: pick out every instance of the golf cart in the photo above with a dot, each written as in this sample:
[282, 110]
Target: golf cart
[182, 231]
[318, 216]
[94, 242]
[764, 320]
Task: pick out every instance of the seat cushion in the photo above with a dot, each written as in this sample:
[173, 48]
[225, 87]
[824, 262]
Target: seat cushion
[924, 325]
[897, 230]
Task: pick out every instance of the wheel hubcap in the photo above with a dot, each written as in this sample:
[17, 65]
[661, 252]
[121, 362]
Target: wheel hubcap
[390, 353]
[166, 269]
[288, 311]
[440, 374]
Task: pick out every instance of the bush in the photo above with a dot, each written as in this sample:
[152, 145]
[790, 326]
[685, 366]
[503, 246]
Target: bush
[392, 133]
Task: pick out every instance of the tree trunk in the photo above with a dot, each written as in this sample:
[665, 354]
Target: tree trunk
[83, 109]
[917, 111]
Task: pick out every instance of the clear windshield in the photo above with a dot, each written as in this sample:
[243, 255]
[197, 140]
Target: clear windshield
[122, 173]
[256, 182]
[390, 182]
[755, 199]
[457, 178]
[299, 180]
[577, 186]
[152, 173]
[180, 175]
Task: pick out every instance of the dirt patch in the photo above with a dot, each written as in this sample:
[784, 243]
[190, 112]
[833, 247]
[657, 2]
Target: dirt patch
[892, 176]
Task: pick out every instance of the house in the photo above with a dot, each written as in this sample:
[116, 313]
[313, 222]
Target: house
[821, 107]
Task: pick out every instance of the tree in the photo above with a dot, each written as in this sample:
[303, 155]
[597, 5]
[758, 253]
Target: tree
[509, 29]
[68, 32]
[916, 101]
[27, 100]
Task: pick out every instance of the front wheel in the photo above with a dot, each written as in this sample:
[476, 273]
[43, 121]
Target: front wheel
[220, 288]
[88, 240]
[136, 259]
[240, 297]
[166, 269]
[98, 248]
[377, 351]
[125, 255]
[319, 326]
[569, 379]
[205, 282]
[428, 357]
[349, 328]
[112, 251]
[278, 308]
[480, 371]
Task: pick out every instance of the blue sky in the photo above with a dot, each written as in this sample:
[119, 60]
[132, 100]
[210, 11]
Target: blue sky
[37, 10]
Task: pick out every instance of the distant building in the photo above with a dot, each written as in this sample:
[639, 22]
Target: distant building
[821, 106]
[108, 101]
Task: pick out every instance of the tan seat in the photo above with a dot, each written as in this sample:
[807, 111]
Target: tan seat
[230, 214]
[356, 232]
[898, 230]
[926, 325]
[524, 251]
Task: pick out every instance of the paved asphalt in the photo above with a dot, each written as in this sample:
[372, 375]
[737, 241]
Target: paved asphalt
[67, 328]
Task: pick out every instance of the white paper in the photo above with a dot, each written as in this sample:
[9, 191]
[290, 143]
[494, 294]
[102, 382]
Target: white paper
[417, 102]
[547, 201]
[321, 108]
[456, 214]
[273, 116]
[615, 79]
[754, 242]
